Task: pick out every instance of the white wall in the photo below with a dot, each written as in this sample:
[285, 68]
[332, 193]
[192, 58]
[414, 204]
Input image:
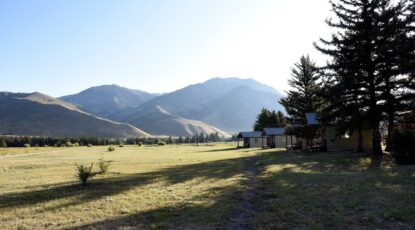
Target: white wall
[255, 142]
[280, 141]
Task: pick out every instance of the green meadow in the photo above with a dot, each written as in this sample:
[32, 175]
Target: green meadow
[203, 187]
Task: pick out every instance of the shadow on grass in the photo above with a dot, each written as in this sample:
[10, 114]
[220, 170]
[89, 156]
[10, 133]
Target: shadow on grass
[102, 187]
[220, 150]
[187, 215]
[321, 190]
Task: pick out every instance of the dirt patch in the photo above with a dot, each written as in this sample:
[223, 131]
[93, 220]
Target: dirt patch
[241, 218]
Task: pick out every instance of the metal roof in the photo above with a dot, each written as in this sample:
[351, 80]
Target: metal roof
[312, 119]
[274, 131]
[253, 134]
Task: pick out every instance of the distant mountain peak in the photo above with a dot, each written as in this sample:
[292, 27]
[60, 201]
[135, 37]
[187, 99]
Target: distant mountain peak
[105, 100]
[235, 81]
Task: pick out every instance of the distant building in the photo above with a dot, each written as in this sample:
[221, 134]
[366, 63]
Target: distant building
[348, 141]
[252, 139]
[275, 138]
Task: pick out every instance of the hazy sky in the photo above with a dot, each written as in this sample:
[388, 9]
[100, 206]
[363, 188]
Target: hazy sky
[62, 47]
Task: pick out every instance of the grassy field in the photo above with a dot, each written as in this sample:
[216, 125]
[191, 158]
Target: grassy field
[34, 150]
[204, 187]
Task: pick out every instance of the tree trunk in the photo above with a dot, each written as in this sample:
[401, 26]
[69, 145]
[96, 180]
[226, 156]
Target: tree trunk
[376, 141]
[391, 128]
[359, 139]
[323, 137]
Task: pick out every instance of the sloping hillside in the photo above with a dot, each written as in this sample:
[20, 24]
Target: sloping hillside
[158, 121]
[237, 109]
[231, 104]
[41, 115]
[108, 99]
[188, 101]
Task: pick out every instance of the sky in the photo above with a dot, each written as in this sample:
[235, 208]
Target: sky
[62, 47]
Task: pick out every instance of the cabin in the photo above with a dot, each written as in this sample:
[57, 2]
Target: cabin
[275, 138]
[252, 139]
[298, 142]
[347, 142]
[333, 142]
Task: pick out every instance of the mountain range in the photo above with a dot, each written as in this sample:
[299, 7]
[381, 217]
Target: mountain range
[222, 105]
[230, 104]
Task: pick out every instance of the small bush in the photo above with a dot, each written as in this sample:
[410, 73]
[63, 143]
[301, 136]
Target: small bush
[26, 145]
[68, 144]
[89, 145]
[3, 143]
[84, 173]
[161, 143]
[111, 148]
[75, 144]
[140, 144]
[103, 166]
[121, 145]
[403, 147]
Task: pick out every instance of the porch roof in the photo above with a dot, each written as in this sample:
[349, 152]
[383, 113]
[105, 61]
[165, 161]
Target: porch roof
[252, 134]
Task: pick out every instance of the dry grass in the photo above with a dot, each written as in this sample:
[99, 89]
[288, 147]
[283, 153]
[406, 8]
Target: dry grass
[200, 187]
[18, 151]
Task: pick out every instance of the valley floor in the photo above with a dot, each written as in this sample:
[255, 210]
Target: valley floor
[205, 187]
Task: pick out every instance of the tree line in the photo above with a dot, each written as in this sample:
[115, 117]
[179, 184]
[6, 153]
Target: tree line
[196, 138]
[24, 141]
[368, 80]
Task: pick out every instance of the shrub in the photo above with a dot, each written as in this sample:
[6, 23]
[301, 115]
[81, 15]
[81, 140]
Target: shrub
[103, 166]
[26, 145]
[140, 144]
[89, 145]
[68, 144]
[121, 145]
[85, 173]
[111, 148]
[161, 143]
[75, 144]
[3, 143]
[403, 147]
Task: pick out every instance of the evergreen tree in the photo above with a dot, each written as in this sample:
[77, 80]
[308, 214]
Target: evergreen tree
[201, 138]
[3, 143]
[217, 137]
[267, 118]
[169, 140]
[366, 58]
[304, 97]
[396, 50]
